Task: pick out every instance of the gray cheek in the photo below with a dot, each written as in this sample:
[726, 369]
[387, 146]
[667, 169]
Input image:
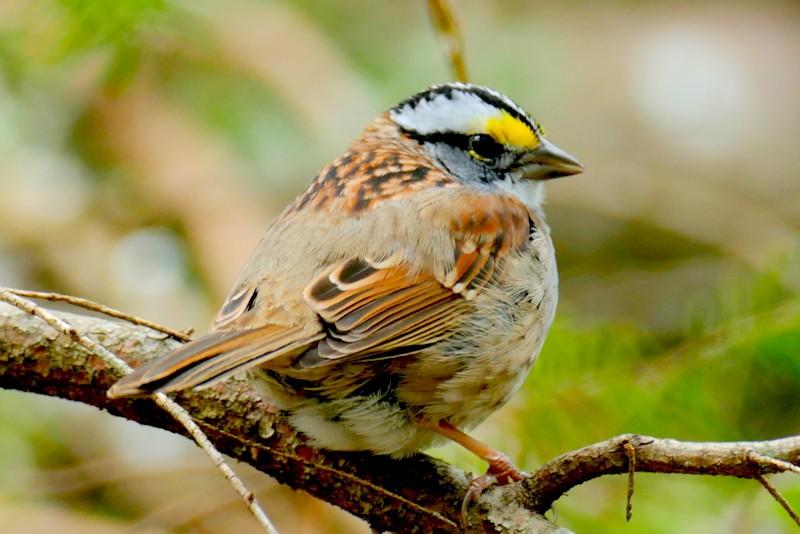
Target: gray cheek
[460, 164]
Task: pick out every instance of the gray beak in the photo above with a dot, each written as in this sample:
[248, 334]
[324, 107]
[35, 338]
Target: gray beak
[547, 161]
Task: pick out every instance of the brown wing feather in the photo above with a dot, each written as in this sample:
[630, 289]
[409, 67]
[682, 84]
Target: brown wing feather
[239, 301]
[485, 228]
[363, 321]
[215, 357]
[378, 309]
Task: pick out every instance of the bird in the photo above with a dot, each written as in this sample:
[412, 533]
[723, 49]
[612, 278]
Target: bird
[405, 294]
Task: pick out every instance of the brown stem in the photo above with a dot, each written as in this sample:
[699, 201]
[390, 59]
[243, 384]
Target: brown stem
[654, 455]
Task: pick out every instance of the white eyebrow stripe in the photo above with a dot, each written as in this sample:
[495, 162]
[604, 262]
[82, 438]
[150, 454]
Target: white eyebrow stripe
[462, 113]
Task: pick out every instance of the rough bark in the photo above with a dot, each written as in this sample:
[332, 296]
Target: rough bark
[419, 494]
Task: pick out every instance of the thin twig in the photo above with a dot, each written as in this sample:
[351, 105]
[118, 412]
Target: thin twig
[100, 308]
[781, 465]
[447, 27]
[361, 481]
[630, 452]
[778, 497]
[170, 406]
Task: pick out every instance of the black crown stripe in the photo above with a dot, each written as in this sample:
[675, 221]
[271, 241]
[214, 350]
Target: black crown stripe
[481, 92]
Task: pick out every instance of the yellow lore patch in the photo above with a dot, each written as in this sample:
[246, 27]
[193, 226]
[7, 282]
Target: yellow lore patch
[509, 130]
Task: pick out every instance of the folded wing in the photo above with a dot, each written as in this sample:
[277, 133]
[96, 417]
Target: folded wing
[366, 309]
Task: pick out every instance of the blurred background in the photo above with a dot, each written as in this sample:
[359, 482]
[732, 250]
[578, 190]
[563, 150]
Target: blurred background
[146, 144]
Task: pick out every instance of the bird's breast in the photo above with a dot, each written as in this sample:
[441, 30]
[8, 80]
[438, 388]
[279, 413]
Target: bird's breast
[476, 371]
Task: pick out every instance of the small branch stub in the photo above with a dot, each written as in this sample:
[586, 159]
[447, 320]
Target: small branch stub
[630, 451]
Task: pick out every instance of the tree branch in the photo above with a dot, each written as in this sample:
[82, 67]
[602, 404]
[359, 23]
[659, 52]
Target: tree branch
[419, 494]
[388, 494]
[746, 459]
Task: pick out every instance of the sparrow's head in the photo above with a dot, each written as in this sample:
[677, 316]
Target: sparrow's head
[481, 136]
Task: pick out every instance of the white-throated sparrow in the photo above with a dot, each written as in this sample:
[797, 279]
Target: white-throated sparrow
[405, 294]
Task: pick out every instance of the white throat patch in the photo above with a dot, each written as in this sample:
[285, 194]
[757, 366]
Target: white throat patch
[530, 192]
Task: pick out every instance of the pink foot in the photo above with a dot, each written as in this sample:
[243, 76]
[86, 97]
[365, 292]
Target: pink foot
[501, 471]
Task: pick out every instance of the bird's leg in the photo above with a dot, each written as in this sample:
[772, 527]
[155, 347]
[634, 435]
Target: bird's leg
[501, 469]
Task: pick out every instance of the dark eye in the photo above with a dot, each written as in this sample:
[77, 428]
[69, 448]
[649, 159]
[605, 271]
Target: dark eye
[485, 147]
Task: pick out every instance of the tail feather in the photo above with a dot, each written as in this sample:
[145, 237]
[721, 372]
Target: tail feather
[213, 358]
